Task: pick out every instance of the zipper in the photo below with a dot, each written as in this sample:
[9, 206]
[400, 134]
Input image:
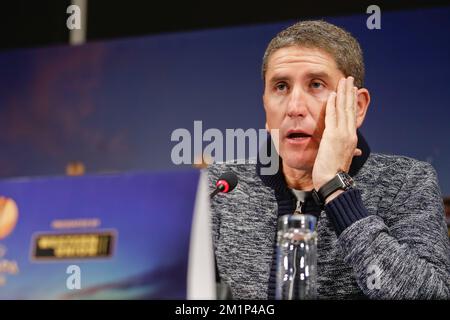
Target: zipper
[299, 208]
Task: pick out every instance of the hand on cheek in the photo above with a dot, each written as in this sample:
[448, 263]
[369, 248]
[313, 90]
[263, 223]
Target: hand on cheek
[339, 139]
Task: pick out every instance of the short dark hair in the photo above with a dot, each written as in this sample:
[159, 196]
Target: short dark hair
[319, 34]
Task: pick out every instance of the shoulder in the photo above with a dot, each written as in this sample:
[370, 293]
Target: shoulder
[400, 161]
[398, 165]
[244, 169]
[249, 182]
[391, 184]
[394, 173]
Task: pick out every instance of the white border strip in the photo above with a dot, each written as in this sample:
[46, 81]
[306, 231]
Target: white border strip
[201, 272]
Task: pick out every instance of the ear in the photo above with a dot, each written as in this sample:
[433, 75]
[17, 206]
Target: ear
[362, 106]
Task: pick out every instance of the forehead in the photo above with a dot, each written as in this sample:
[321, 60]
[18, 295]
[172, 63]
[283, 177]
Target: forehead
[302, 59]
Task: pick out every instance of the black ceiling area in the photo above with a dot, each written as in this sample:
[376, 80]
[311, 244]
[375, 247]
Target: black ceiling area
[27, 23]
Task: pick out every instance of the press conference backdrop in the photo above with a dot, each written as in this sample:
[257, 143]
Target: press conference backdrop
[126, 235]
[113, 105]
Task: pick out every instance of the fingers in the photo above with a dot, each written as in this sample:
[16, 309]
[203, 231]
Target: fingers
[346, 104]
[348, 94]
[354, 106]
[340, 103]
[345, 110]
[349, 100]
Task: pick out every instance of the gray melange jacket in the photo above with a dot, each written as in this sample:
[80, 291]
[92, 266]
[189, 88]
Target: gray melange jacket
[402, 232]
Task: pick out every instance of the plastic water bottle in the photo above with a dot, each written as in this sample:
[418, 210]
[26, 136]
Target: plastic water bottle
[296, 257]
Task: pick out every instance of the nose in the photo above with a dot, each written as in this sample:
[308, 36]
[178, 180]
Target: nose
[297, 104]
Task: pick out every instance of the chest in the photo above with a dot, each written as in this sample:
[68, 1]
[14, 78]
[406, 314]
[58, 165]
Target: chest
[245, 249]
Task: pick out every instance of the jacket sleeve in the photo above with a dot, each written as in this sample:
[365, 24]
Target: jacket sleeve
[410, 259]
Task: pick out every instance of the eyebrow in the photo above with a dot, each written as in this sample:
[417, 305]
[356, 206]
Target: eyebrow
[310, 75]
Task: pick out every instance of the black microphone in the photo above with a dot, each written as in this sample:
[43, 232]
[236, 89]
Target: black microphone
[226, 183]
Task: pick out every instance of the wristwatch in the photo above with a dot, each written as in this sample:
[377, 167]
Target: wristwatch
[342, 181]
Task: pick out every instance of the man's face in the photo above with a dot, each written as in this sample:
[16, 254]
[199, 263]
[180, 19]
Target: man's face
[298, 82]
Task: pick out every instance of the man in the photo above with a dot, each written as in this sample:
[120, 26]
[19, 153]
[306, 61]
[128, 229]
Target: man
[390, 221]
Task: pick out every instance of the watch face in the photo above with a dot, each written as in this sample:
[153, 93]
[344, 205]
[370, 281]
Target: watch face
[346, 179]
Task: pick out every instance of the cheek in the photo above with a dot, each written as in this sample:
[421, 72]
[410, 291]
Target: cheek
[322, 95]
[274, 111]
[275, 102]
[318, 115]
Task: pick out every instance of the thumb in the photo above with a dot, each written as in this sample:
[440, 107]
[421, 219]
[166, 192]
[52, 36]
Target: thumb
[357, 152]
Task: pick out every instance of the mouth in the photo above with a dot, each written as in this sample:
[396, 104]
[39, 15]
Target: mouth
[297, 135]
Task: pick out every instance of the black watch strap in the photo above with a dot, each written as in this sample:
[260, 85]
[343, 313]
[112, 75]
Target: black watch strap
[342, 181]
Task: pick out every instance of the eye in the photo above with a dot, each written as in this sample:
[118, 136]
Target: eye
[316, 85]
[281, 86]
